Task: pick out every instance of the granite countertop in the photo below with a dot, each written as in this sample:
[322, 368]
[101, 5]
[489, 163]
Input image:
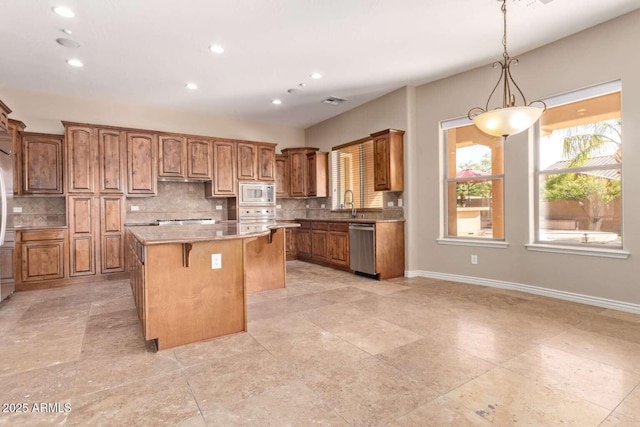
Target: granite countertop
[37, 227]
[351, 220]
[157, 235]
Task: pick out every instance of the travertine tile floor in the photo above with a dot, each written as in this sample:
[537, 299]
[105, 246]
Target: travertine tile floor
[332, 349]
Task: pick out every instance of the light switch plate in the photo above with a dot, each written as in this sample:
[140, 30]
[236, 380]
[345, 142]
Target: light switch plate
[216, 261]
[390, 204]
[135, 208]
[218, 207]
[278, 206]
[17, 209]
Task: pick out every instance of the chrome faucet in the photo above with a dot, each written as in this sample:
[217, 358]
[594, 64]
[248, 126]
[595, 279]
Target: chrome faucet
[353, 206]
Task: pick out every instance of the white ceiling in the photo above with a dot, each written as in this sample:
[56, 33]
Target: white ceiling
[145, 51]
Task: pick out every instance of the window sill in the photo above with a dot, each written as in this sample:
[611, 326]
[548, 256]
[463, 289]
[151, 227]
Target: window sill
[480, 243]
[597, 252]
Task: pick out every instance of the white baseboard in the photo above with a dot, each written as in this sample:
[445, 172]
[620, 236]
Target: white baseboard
[552, 293]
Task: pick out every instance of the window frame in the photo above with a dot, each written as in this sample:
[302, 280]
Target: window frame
[536, 174]
[445, 238]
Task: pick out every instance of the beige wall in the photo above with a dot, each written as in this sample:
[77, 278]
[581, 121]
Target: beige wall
[43, 113]
[597, 55]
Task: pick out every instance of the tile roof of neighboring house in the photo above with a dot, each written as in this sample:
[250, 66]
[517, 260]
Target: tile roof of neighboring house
[594, 161]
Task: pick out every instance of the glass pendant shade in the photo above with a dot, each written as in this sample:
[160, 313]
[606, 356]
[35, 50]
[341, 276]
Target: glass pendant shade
[507, 121]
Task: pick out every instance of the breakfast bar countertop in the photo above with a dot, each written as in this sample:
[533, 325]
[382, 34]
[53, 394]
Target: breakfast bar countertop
[157, 235]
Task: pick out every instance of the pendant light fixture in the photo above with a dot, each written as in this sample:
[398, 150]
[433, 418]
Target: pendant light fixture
[509, 119]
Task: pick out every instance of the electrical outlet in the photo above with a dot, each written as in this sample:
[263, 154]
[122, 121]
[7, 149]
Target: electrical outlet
[399, 203]
[307, 206]
[216, 261]
[322, 205]
[219, 233]
[278, 206]
[390, 204]
[17, 209]
[135, 208]
[474, 259]
[218, 207]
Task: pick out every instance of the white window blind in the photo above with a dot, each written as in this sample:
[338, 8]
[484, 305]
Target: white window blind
[352, 169]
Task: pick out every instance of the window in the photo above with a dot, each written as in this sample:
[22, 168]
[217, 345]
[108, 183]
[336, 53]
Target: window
[579, 169]
[352, 169]
[474, 183]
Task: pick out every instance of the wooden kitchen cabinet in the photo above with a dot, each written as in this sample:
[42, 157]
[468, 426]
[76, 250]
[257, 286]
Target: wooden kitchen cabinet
[82, 235]
[199, 161]
[172, 156]
[142, 166]
[266, 162]
[388, 160]
[247, 161]
[4, 120]
[291, 244]
[338, 244]
[42, 164]
[15, 129]
[303, 240]
[308, 172]
[282, 176]
[319, 241]
[224, 170]
[112, 249]
[111, 161]
[41, 256]
[81, 159]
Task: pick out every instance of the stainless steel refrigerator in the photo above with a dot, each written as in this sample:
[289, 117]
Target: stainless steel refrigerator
[6, 215]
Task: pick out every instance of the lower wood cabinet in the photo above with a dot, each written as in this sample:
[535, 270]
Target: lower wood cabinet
[290, 243]
[338, 244]
[325, 243]
[40, 255]
[319, 241]
[303, 240]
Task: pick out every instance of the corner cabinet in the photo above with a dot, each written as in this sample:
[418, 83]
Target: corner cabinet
[388, 160]
[42, 160]
[142, 166]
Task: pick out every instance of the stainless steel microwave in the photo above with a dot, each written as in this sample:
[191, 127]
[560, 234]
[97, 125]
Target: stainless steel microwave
[256, 194]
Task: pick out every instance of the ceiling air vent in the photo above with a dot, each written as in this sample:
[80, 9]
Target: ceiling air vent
[533, 4]
[333, 100]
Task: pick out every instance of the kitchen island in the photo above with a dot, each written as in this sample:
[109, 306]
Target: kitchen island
[190, 282]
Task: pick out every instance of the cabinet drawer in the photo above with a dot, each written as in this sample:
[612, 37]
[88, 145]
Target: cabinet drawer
[320, 226]
[339, 226]
[37, 235]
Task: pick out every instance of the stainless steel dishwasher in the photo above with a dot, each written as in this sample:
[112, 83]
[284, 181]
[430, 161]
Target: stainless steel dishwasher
[362, 248]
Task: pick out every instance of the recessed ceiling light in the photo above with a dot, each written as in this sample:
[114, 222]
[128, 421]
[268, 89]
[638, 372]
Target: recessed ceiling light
[216, 48]
[64, 11]
[75, 62]
[276, 102]
[191, 86]
[316, 76]
[66, 31]
[68, 42]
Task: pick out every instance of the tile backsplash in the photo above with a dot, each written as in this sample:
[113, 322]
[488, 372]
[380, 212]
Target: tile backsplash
[39, 211]
[176, 200]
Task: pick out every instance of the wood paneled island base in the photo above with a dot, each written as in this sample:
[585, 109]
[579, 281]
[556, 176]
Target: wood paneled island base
[180, 298]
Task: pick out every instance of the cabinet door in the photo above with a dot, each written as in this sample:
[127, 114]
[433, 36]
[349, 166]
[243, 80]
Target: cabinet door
[142, 169]
[290, 243]
[81, 154]
[303, 241]
[319, 245]
[282, 175]
[298, 182]
[112, 212]
[171, 157]
[388, 159]
[6, 265]
[80, 214]
[42, 164]
[266, 162]
[381, 163]
[198, 159]
[338, 248]
[111, 162]
[312, 185]
[224, 168]
[247, 161]
[15, 130]
[42, 260]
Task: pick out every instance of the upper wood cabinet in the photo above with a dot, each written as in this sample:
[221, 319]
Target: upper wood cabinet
[95, 160]
[172, 156]
[266, 162]
[282, 176]
[247, 161]
[388, 160]
[42, 163]
[4, 120]
[111, 163]
[308, 172]
[15, 129]
[224, 170]
[198, 159]
[142, 167]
